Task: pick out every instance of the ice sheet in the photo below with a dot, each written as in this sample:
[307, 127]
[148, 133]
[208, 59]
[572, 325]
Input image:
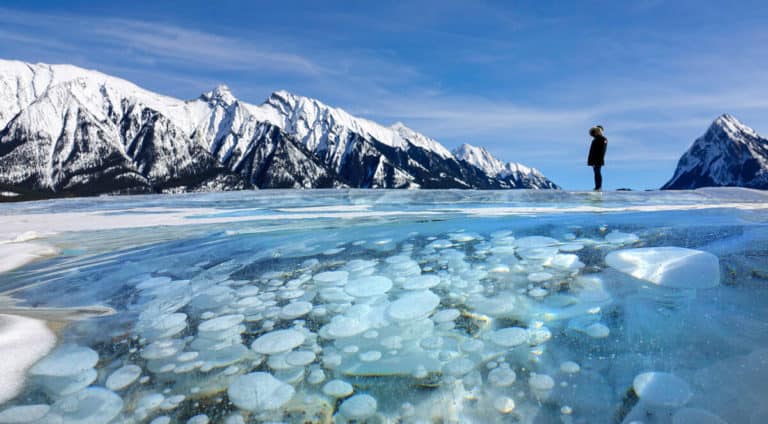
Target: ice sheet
[455, 306]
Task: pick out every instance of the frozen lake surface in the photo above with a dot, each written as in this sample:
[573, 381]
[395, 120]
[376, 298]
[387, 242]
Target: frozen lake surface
[386, 307]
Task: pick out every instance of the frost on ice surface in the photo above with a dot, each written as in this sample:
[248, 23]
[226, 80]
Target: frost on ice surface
[413, 311]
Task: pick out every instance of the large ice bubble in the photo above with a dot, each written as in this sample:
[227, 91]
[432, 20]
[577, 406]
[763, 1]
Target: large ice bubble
[24, 414]
[337, 388]
[662, 389]
[278, 341]
[510, 337]
[374, 285]
[675, 267]
[413, 305]
[68, 359]
[220, 323]
[421, 282]
[92, 405]
[343, 326]
[123, 377]
[358, 407]
[259, 391]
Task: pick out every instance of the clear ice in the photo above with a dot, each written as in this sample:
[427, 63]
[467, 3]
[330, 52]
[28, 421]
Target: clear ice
[335, 306]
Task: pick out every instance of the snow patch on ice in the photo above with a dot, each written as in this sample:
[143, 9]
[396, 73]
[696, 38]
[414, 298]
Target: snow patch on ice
[23, 341]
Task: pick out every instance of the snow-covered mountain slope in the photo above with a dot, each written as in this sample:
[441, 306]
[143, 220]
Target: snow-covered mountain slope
[514, 174]
[334, 135]
[142, 142]
[728, 154]
[321, 127]
[419, 140]
[82, 132]
[66, 130]
[22, 83]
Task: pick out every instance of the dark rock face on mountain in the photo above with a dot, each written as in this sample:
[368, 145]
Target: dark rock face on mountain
[78, 159]
[372, 164]
[168, 159]
[728, 154]
[276, 160]
[69, 131]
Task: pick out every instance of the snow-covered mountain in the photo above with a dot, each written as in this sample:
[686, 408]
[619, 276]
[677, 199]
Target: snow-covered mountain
[728, 154]
[66, 130]
[514, 174]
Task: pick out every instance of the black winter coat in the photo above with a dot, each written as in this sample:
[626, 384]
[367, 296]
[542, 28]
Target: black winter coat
[597, 151]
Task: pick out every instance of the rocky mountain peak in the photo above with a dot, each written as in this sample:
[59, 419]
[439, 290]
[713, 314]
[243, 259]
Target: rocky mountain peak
[731, 126]
[221, 94]
[729, 154]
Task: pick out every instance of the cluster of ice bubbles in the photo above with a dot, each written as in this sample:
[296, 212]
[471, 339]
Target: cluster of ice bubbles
[449, 329]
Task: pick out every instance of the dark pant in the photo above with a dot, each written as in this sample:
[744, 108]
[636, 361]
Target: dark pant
[598, 177]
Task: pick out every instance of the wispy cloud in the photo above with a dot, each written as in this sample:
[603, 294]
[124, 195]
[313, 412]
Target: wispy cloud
[466, 115]
[189, 46]
[164, 43]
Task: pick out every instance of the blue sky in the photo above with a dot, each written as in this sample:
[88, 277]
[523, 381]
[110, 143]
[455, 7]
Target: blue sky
[525, 79]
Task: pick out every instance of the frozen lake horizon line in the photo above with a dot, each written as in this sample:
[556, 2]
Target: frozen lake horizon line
[120, 212]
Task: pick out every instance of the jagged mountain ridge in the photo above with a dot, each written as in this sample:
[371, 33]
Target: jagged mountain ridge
[512, 173]
[728, 154]
[363, 153]
[70, 131]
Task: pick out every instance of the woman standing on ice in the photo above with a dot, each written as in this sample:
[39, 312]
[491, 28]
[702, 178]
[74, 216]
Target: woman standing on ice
[597, 154]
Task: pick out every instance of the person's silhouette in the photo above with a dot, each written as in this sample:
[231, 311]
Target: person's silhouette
[596, 157]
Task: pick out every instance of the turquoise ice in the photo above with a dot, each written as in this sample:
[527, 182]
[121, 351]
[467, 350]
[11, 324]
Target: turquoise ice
[378, 306]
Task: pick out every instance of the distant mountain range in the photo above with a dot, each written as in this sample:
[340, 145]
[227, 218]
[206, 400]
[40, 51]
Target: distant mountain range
[728, 154]
[68, 131]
